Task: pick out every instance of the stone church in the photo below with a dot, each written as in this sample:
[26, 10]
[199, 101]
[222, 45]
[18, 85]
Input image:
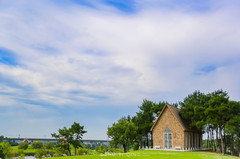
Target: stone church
[170, 131]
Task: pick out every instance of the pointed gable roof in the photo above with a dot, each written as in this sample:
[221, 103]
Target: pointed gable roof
[175, 111]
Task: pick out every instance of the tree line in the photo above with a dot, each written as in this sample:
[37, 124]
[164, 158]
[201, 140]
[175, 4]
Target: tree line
[213, 113]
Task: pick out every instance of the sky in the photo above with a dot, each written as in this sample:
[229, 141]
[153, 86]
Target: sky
[94, 61]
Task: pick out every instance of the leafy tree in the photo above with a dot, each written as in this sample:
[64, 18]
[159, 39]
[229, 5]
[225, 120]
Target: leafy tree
[2, 138]
[48, 145]
[157, 108]
[145, 118]
[71, 136]
[192, 110]
[2, 155]
[23, 145]
[37, 145]
[233, 125]
[76, 135]
[6, 147]
[63, 139]
[218, 112]
[123, 132]
[101, 149]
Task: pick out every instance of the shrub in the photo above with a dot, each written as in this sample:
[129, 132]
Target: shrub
[37, 145]
[42, 153]
[59, 151]
[82, 150]
[101, 149]
[23, 145]
[48, 145]
[136, 146]
[15, 153]
[115, 150]
[6, 147]
[2, 155]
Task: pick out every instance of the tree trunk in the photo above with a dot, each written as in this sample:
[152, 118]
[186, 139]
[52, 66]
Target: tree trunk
[208, 139]
[216, 140]
[212, 141]
[151, 140]
[221, 136]
[232, 145]
[225, 143]
[75, 151]
[69, 151]
[147, 140]
[124, 147]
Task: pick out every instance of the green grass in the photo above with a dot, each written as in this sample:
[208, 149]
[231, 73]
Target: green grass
[28, 150]
[154, 154]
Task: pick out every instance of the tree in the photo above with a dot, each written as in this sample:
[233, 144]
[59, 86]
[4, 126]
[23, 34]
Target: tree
[2, 138]
[218, 113]
[37, 144]
[48, 145]
[192, 110]
[233, 125]
[23, 145]
[6, 147]
[123, 133]
[71, 136]
[145, 118]
[2, 155]
[76, 135]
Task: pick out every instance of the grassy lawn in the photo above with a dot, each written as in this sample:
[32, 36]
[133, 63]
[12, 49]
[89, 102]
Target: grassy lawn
[155, 155]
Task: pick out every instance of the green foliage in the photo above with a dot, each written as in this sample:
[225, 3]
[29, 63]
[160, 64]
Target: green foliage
[136, 146]
[23, 145]
[2, 155]
[17, 152]
[48, 145]
[71, 136]
[115, 150]
[101, 149]
[37, 145]
[82, 150]
[2, 138]
[6, 147]
[124, 133]
[192, 110]
[76, 132]
[43, 153]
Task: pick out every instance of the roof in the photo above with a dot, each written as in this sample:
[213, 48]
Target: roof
[175, 111]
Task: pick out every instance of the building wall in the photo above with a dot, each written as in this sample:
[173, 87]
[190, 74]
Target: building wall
[167, 119]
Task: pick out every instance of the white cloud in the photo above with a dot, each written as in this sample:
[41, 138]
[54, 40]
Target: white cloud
[77, 56]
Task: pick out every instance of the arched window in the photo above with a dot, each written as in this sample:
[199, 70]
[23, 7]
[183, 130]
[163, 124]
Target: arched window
[167, 138]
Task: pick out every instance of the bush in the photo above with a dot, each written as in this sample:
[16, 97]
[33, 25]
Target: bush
[115, 150]
[6, 147]
[2, 155]
[136, 146]
[23, 145]
[101, 149]
[59, 151]
[37, 145]
[48, 145]
[82, 151]
[15, 153]
[43, 153]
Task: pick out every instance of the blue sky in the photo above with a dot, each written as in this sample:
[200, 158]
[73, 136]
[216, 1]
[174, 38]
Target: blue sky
[94, 61]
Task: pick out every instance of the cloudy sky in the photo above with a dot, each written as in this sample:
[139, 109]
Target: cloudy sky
[94, 61]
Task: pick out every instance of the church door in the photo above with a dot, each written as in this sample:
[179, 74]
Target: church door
[167, 139]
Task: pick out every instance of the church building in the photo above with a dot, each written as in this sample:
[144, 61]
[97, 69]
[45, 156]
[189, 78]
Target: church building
[170, 131]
